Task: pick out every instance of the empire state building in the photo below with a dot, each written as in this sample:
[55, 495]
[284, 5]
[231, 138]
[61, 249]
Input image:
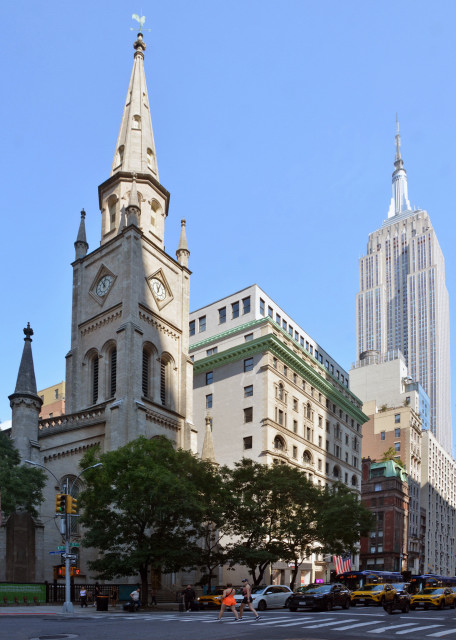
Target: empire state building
[402, 304]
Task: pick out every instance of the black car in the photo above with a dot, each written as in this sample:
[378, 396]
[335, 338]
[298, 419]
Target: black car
[321, 596]
[397, 598]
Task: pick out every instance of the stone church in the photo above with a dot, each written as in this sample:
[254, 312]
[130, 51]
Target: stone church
[128, 372]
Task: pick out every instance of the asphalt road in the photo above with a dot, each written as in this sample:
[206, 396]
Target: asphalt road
[274, 625]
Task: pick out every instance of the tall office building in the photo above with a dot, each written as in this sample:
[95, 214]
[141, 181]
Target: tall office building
[402, 302]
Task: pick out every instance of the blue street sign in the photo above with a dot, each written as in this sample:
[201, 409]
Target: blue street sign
[54, 553]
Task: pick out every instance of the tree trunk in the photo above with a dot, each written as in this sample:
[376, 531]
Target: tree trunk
[143, 571]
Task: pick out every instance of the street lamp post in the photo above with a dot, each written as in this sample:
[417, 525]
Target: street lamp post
[67, 605]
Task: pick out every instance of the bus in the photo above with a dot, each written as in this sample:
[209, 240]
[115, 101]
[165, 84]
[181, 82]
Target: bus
[355, 580]
[423, 580]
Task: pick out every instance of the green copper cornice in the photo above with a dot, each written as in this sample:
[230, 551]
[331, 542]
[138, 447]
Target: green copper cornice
[221, 336]
[272, 343]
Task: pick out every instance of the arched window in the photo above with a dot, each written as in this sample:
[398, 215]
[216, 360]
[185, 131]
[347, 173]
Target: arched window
[112, 372]
[336, 472]
[120, 155]
[354, 481]
[150, 159]
[112, 211]
[146, 373]
[307, 458]
[136, 122]
[94, 366]
[279, 443]
[166, 380]
[155, 209]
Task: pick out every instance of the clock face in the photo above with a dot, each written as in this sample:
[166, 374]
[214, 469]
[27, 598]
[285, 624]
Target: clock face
[158, 289]
[103, 286]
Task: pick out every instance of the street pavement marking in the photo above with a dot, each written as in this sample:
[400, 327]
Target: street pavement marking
[394, 626]
[304, 623]
[440, 634]
[327, 624]
[264, 621]
[429, 626]
[353, 626]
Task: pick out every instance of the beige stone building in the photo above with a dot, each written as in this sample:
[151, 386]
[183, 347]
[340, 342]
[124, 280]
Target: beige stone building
[128, 371]
[53, 399]
[274, 395]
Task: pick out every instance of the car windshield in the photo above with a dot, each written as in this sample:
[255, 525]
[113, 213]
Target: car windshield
[258, 589]
[372, 587]
[306, 587]
[434, 592]
[324, 588]
[400, 586]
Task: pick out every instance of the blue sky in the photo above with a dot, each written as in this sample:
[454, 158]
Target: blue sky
[274, 126]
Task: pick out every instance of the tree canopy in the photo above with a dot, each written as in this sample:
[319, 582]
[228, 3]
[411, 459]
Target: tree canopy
[21, 486]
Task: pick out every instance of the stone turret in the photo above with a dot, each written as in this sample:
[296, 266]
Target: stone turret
[26, 404]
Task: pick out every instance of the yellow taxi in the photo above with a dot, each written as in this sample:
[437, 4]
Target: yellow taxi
[210, 600]
[438, 597]
[370, 594]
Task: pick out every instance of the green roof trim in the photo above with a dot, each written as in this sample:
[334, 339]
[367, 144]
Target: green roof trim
[271, 343]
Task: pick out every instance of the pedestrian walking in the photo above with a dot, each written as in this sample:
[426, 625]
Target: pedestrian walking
[189, 597]
[247, 599]
[83, 597]
[135, 601]
[228, 600]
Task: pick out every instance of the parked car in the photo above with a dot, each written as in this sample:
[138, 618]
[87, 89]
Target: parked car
[370, 594]
[430, 597]
[398, 598]
[274, 595]
[321, 596]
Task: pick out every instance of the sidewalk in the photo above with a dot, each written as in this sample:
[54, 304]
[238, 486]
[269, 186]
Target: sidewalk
[56, 609]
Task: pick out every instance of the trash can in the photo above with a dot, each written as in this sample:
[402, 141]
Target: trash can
[102, 603]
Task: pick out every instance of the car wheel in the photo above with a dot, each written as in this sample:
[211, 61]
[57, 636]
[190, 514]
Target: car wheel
[261, 605]
[293, 608]
[382, 602]
[328, 606]
[347, 603]
[287, 602]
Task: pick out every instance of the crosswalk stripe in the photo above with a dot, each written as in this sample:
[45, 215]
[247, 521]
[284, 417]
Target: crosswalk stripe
[327, 624]
[353, 626]
[429, 626]
[394, 626]
[440, 634]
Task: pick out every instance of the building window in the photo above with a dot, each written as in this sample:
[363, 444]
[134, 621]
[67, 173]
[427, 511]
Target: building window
[378, 487]
[295, 452]
[248, 364]
[280, 393]
[270, 312]
[319, 464]
[112, 372]
[235, 310]
[290, 330]
[163, 382]
[222, 315]
[296, 336]
[295, 378]
[246, 305]
[284, 324]
[274, 363]
[397, 418]
[295, 404]
[278, 319]
[191, 326]
[210, 352]
[209, 401]
[301, 341]
[209, 377]
[320, 441]
[56, 394]
[202, 324]
[248, 337]
[397, 432]
[295, 426]
[397, 446]
[285, 370]
[248, 391]
[262, 306]
[248, 442]
[280, 417]
[248, 414]
[279, 443]
[145, 373]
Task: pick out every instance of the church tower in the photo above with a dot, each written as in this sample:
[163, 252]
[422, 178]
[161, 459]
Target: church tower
[128, 361]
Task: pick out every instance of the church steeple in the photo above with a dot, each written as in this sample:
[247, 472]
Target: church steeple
[399, 200]
[182, 252]
[135, 149]
[81, 245]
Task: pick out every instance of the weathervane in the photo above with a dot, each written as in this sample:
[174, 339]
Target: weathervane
[141, 19]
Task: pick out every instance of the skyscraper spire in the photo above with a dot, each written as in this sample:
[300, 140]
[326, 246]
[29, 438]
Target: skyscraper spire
[399, 200]
[135, 149]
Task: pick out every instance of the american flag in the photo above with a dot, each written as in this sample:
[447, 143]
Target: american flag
[342, 563]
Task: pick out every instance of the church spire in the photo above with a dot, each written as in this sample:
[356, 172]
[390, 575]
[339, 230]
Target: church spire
[182, 252]
[399, 200]
[135, 150]
[81, 245]
[26, 382]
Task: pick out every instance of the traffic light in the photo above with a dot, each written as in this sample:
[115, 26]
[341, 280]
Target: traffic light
[71, 505]
[59, 571]
[60, 503]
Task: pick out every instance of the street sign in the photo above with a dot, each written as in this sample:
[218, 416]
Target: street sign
[54, 553]
[61, 547]
[74, 544]
[71, 556]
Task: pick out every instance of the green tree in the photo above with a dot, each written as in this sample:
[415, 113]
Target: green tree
[390, 454]
[21, 486]
[341, 520]
[142, 509]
